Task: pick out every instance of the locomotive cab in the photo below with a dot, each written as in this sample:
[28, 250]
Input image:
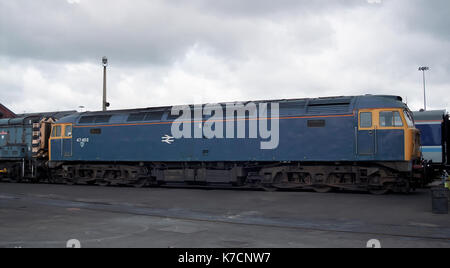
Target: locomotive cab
[61, 141]
[390, 133]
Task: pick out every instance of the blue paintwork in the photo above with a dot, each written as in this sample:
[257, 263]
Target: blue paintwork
[391, 144]
[298, 142]
[366, 142]
[432, 150]
[15, 138]
[56, 148]
[430, 125]
[431, 134]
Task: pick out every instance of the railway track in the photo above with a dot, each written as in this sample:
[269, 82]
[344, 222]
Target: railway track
[225, 186]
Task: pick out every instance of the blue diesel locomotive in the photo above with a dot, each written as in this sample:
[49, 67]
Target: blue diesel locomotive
[357, 142]
[24, 146]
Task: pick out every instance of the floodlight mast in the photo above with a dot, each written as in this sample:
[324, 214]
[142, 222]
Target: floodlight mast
[424, 69]
[105, 104]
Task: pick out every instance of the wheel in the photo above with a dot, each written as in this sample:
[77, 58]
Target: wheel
[69, 178]
[318, 184]
[70, 182]
[277, 181]
[140, 183]
[322, 189]
[377, 188]
[379, 191]
[6, 180]
[102, 183]
[269, 188]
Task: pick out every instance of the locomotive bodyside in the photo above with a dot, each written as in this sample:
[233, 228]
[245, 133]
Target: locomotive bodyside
[144, 143]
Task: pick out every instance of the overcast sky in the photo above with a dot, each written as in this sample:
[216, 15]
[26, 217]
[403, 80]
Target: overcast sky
[167, 52]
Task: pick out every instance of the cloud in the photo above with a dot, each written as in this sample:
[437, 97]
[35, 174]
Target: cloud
[145, 32]
[251, 8]
[430, 18]
[178, 52]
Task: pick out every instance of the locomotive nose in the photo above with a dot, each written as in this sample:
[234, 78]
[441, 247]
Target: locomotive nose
[412, 143]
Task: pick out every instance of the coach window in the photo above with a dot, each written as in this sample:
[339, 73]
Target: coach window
[56, 131]
[390, 119]
[365, 120]
[68, 131]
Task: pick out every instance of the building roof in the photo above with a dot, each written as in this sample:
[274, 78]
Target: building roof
[5, 112]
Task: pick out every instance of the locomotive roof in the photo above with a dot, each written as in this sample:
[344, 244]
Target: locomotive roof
[56, 115]
[27, 119]
[429, 115]
[353, 102]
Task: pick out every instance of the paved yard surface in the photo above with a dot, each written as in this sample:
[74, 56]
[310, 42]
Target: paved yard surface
[34, 215]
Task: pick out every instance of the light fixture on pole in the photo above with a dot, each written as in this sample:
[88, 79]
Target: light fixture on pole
[423, 69]
[105, 104]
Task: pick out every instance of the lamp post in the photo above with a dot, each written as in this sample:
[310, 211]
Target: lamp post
[105, 104]
[423, 69]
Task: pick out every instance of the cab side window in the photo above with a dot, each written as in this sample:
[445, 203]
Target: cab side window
[365, 120]
[56, 131]
[390, 119]
[68, 131]
[409, 119]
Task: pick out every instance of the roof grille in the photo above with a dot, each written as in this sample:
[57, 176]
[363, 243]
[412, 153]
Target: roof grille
[98, 119]
[329, 105]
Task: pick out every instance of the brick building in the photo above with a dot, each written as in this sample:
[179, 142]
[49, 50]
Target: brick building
[5, 112]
